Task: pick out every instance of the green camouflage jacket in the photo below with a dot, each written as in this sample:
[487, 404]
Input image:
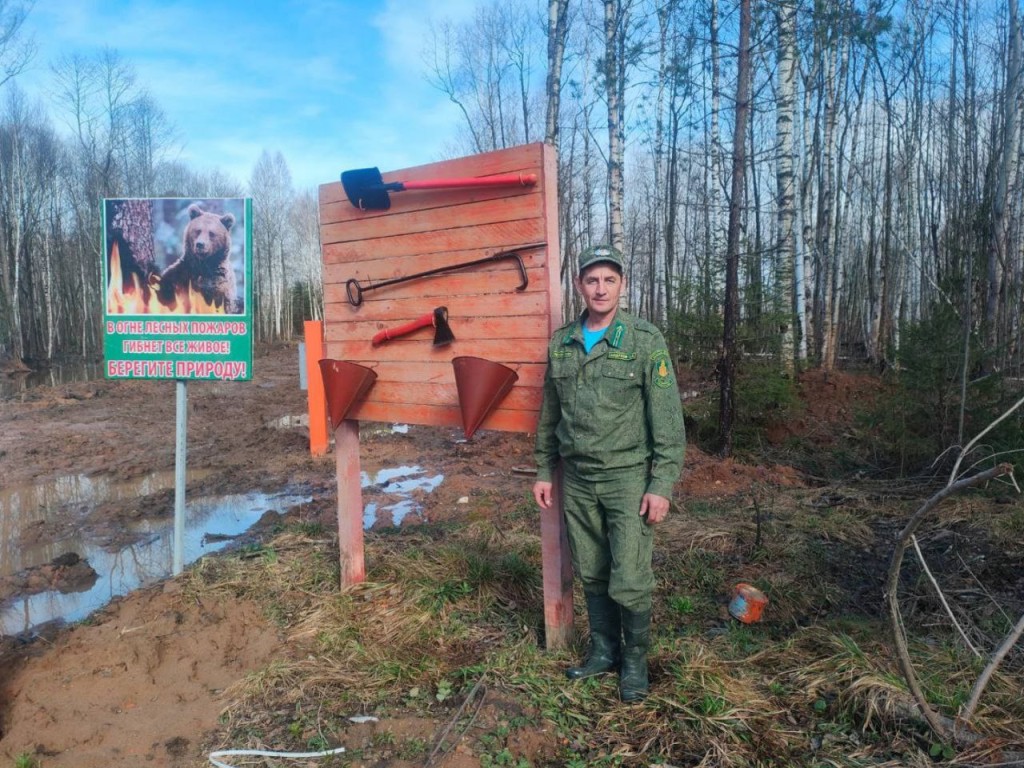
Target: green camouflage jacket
[615, 409]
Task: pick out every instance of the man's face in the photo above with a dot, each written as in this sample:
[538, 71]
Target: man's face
[600, 286]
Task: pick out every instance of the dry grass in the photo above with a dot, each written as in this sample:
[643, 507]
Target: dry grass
[446, 607]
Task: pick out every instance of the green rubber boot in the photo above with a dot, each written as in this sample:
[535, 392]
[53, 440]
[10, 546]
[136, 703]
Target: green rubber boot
[636, 633]
[605, 629]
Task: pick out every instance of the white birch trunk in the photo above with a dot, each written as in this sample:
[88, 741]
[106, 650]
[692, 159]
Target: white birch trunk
[715, 194]
[615, 25]
[785, 182]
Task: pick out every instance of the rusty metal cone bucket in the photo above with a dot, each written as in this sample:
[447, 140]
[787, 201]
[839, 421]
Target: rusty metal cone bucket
[344, 384]
[482, 384]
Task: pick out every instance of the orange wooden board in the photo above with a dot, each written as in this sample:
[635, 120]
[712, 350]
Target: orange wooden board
[490, 317]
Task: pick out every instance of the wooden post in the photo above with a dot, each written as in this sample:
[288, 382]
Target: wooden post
[554, 541]
[317, 402]
[556, 567]
[350, 503]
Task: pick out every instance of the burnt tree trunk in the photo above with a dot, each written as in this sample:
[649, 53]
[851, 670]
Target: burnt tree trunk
[130, 227]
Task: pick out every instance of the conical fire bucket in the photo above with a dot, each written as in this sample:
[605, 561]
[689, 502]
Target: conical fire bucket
[482, 384]
[344, 383]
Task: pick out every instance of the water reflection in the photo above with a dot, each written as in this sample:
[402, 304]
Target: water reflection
[63, 499]
[210, 524]
[401, 482]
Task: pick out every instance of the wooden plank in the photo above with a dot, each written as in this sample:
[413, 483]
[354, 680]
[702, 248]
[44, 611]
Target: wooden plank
[518, 399]
[518, 159]
[440, 372]
[418, 243]
[523, 205]
[443, 416]
[374, 269]
[338, 309]
[506, 351]
[350, 503]
[343, 212]
[556, 571]
[466, 328]
[447, 289]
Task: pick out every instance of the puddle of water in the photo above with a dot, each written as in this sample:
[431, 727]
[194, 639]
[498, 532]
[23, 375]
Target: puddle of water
[210, 525]
[25, 506]
[400, 482]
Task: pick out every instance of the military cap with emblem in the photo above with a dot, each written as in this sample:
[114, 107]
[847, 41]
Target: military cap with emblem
[596, 254]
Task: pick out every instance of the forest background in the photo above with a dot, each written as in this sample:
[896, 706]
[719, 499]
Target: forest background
[796, 184]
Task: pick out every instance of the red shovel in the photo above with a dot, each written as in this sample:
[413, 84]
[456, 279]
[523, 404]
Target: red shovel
[367, 191]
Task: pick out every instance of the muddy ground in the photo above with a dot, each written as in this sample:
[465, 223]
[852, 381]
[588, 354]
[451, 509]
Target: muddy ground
[143, 680]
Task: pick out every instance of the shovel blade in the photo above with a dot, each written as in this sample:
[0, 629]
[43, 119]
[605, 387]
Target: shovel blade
[365, 189]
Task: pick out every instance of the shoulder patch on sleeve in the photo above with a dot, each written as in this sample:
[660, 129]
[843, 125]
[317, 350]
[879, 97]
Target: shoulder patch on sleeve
[662, 369]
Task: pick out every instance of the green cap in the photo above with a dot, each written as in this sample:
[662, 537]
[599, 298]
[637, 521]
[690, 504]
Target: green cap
[601, 253]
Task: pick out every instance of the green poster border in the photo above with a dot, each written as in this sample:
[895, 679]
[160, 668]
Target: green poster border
[181, 347]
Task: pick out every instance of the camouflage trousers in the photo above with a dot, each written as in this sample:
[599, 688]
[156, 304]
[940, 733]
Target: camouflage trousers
[611, 544]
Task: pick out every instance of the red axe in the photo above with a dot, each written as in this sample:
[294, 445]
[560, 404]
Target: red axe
[438, 318]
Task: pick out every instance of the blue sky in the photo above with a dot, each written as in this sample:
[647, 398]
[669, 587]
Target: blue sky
[331, 84]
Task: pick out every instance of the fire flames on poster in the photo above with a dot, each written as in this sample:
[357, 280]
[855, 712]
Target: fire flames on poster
[138, 298]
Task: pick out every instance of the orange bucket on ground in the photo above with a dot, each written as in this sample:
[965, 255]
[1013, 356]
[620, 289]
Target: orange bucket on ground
[747, 603]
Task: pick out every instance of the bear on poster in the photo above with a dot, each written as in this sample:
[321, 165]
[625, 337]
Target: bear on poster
[204, 267]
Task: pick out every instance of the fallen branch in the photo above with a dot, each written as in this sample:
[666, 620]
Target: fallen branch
[942, 597]
[942, 729]
[990, 668]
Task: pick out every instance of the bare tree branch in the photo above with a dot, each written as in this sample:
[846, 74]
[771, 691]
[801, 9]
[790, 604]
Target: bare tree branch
[990, 668]
[935, 722]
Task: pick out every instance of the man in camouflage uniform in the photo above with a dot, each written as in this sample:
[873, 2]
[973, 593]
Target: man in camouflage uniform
[612, 415]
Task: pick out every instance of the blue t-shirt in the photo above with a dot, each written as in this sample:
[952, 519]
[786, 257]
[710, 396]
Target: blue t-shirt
[590, 338]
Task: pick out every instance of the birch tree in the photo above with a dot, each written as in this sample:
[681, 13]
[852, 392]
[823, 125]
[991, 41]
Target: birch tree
[616, 32]
[558, 26]
[785, 180]
[304, 223]
[271, 188]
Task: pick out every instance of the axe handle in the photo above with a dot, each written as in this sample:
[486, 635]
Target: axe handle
[389, 333]
[501, 180]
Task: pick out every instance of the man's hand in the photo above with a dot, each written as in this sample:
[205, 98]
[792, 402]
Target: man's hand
[654, 507]
[542, 494]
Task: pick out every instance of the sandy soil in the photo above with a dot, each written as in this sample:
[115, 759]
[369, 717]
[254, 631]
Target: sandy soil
[142, 681]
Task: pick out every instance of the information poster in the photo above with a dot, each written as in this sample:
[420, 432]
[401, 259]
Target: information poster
[178, 298]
